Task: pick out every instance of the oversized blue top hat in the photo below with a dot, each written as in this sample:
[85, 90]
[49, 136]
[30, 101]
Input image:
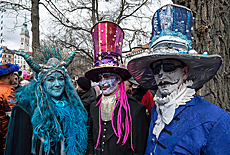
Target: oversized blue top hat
[171, 39]
[172, 21]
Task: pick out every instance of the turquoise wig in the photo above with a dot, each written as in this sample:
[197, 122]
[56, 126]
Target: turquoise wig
[51, 123]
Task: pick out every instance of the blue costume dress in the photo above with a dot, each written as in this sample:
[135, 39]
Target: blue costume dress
[198, 128]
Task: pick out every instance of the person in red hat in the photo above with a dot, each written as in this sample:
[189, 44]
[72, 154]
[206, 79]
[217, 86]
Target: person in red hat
[118, 123]
[6, 98]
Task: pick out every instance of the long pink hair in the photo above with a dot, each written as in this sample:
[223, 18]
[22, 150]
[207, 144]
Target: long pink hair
[127, 124]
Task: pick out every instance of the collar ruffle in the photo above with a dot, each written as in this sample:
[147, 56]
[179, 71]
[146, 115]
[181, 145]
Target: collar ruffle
[107, 106]
[166, 106]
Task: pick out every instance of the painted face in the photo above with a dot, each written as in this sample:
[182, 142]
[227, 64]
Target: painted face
[169, 75]
[11, 78]
[15, 81]
[54, 84]
[109, 82]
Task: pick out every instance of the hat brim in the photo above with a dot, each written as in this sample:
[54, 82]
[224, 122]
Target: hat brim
[201, 68]
[7, 68]
[131, 80]
[92, 74]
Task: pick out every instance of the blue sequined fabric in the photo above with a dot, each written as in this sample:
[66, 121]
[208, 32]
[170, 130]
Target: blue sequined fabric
[172, 20]
[199, 127]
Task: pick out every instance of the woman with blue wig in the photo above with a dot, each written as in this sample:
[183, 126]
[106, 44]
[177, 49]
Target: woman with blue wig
[50, 117]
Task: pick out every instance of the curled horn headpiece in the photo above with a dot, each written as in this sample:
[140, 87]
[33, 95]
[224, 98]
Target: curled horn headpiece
[48, 53]
[70, 59]
[30, 62]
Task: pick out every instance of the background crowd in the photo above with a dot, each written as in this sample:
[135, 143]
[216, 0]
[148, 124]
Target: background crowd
[112, 109]
[88, 91]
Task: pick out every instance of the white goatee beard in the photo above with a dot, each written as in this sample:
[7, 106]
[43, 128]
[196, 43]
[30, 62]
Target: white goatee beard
[165, 106]
[169, 90]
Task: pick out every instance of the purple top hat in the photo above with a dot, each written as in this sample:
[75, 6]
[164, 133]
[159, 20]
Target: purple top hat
[107, 41]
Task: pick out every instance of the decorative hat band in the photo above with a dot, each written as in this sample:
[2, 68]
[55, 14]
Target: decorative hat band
[169, 46]
[170, 34]
[108, 59]
[61, 70]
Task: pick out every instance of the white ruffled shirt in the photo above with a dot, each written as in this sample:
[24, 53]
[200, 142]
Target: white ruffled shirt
[107, 106]
[166, 106]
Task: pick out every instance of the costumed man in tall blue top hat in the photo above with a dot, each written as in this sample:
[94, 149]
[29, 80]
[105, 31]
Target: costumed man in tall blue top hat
[49, 117]
[183, 122]
[117, 123]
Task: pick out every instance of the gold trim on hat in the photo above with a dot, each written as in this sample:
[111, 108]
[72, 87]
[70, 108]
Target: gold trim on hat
[106, 32]
[100, 41]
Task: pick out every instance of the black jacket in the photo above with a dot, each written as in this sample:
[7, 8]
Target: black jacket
[138, 93]
[87, 98]
[139, 131]
[19, 135]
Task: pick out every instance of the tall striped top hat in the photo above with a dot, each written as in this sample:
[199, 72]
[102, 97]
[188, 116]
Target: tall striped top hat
[107, 42]
[171, 39]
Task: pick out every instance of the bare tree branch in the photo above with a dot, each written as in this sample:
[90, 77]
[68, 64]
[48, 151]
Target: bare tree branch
[63, 23]
[126, 16]
[14, 6]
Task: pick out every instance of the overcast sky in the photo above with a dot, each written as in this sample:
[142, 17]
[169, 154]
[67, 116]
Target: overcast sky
[11, 34]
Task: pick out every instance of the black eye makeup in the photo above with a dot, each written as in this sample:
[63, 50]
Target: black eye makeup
[167, 67]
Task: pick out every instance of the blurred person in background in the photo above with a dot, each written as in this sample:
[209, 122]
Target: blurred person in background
[96, 88]
[7, 96]
[16, 83]
[140, 93]
[86, 92]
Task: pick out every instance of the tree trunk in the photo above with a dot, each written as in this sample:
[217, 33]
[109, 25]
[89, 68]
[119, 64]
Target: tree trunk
[94, 11]
[35, 27]
[212, 35]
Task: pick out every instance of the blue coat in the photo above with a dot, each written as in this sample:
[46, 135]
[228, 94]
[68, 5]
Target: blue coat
[199, 127]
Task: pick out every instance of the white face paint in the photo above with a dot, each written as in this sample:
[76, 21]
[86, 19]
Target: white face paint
[109, 82]
[169, 77]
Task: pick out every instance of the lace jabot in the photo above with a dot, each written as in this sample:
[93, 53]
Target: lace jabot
[107, 106]
[166, 106]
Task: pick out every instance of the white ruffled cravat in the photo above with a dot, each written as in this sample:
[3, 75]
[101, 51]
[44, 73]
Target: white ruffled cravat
[166, 106]
[107, 106]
